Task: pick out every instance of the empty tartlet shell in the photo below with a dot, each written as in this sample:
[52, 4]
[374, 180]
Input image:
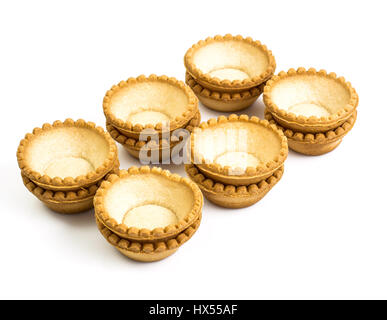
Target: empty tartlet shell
[148, 251]
[318, 143]
[252, 175]
[144, 234]
[309, 124]
[67, 202]
[231, 196]
[68, 183]
[224, 101]
[133, 130]
[134, 146]
[214, 83]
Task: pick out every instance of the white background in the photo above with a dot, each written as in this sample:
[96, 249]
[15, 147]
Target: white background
[320, 233]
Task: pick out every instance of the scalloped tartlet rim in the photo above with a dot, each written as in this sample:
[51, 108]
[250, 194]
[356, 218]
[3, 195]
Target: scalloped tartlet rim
[137, 144]
[223, 96]
[230, 190]
[151, 247]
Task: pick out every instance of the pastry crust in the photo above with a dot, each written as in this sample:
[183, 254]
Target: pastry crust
[178, 100]
[329, 99]
[313, 149]
[231, 196]
[242, 136]
[67, 207]
[148, 251]
[179, 195]
[317, 143]
[68, 202]
[52, 137]
[250, 57]
[134, 146]
[224, 101]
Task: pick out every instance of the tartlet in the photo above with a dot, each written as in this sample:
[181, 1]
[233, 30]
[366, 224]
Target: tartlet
[224, 101]
[67, 155]
[134, 146]
[148, 251]
[231, 196]
[229, 63]
[154, 102]
[147, 204]
[309, 101]
[315, 144]
[238, 150]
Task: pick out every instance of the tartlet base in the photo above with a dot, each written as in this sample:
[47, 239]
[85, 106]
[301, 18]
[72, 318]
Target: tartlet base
[147, 257]
[70, 207]
[135, 153]
[226, 106]
[67, 202]
[313, 149]
[148, 251]
[315, 144]
[223, 101]
[134, 146]
[231, 196]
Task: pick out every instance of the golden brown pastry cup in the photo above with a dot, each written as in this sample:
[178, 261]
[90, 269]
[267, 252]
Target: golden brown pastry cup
[168, 190]
[318, 143]
[224, 101]
[133, 130]
[273, 148]
[67, 129]
[250, 54]
[231, 196]
[288, 91]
